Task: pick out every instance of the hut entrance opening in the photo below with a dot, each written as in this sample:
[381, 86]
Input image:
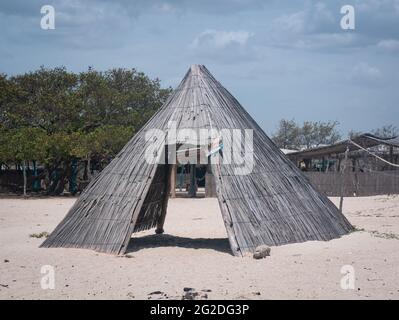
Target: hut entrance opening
[190, 176]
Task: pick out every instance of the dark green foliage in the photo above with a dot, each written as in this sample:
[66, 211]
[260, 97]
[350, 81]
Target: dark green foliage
[290, 135]
[54, 116]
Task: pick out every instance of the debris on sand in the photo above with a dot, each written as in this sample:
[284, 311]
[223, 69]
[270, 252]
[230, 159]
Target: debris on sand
[389, 236]
[43, 234]
[158, 295]
[155, 292]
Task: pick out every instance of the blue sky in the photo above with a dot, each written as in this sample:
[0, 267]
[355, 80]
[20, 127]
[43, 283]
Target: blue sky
[279, 59]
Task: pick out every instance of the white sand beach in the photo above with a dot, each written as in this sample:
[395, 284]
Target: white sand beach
[194, 252]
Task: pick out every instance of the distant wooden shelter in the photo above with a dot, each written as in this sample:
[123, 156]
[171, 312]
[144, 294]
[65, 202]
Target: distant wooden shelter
[274, 204]
[371, 166]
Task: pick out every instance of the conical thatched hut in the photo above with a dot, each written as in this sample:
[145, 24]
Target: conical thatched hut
[274, 204]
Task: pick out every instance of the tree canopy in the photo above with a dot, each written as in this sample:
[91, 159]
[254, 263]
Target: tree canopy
[55, 116]
[388, 131]
[291, 135]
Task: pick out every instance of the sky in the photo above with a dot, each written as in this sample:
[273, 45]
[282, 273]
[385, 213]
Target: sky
[280, 59]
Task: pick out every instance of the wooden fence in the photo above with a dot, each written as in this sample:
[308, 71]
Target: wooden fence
[355, 183]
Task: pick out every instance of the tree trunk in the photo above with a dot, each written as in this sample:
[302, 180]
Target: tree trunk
[58, 178]
[173, 181]
[89, 169]
[65, 173]
[24, 174]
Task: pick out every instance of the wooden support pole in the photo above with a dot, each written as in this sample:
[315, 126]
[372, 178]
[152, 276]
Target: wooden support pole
[161, 221]
[225, 210]
[210, 187]
[192, 192]
[173, 181]
[391, 154]
[341, 200]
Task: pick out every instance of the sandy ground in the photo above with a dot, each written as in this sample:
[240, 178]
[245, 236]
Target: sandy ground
[194, 253]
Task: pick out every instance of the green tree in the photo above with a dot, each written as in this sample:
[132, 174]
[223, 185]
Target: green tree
[23, 145]
[287, 135]
[87, 116]
[387, 131]
[44, 99]
[324, 133]
[290, 135]
[118, 97]
[353, 134]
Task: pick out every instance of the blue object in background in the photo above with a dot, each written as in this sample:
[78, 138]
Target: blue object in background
[73, 186]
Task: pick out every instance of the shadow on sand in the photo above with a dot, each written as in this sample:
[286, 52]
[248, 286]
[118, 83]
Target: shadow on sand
[167, 240]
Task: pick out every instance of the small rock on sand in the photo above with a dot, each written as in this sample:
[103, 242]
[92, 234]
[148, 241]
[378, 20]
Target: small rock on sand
[261, 252]
[191, 294]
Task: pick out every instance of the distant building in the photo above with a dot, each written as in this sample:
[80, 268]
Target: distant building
[361, 151]
[368, 168]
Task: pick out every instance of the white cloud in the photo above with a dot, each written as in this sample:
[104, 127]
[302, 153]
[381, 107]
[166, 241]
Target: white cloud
[317, 26]
[364, 73]
[227, 47]
[165, 7]
[314, 27]
[221, 39]
[295, 22]
[322, 41]
[315, 18]
[388, 45]
[374, 6]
